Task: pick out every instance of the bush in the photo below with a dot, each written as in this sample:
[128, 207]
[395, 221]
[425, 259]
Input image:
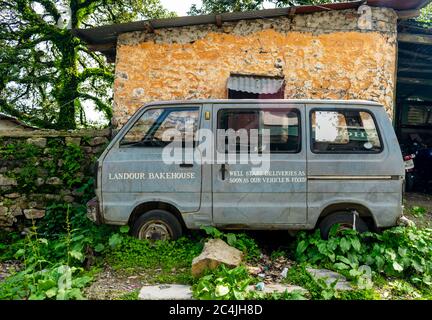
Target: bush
[402, 252]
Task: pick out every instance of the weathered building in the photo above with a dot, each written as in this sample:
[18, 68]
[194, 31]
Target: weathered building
[333, 51]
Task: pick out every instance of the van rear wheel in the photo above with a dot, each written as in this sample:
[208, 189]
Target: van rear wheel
[157, 225]
[345, 221]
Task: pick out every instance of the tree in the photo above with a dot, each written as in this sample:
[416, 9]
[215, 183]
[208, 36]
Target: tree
[219, 6]
[47, 74]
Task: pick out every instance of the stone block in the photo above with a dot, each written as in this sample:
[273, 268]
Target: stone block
[34, 213]
[98, 141]
[6, 181]
[39, 142]
[166, 292]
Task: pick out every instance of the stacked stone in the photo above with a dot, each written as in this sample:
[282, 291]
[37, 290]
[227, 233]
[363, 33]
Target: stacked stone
[17, 205]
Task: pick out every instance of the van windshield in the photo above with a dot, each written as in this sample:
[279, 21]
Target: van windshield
[157, 127]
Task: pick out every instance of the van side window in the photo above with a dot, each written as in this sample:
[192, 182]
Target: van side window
[344, 131]
[283, 125]
[157, 127]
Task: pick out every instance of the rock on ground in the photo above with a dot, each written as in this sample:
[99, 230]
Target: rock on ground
[216, 252]
[329, 277]
[166, 292]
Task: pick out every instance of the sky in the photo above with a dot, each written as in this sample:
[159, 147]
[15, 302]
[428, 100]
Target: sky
[181, 7]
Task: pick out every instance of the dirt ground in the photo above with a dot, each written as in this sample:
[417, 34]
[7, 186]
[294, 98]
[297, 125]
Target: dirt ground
[419, 200]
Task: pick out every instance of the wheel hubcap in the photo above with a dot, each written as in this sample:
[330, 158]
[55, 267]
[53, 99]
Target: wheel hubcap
[155, 230]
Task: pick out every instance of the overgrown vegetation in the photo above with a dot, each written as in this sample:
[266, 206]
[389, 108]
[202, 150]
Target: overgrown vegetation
[401, 252]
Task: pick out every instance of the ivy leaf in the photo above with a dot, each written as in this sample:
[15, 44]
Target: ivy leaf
[115, 240]
[231, 239]
[341, 266]
[355, 242]
[77, 255]
[124, 229]
[301, 247]
[345, 245]
[99, 247]
[397, 267]
[51, 293]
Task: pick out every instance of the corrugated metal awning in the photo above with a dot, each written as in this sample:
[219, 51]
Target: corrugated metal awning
[255, 84]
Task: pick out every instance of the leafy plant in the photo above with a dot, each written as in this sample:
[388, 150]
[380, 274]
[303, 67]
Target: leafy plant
[398, 252]
[418, 211]
[223, 284]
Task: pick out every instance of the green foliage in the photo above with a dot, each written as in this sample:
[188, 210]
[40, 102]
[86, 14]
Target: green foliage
[319, 289]
[129, 252]
[220, 6]
[223, 284]
[397, 252]
[426, 15]
[241, 241]
[417, 211]
[47, 74]
[53, 265]
[57, 160]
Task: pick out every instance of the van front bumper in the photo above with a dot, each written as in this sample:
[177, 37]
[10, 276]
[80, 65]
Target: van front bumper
[93, 212]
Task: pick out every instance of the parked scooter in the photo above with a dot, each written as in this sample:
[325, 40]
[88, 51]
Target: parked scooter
[418, 166]
[409, 157]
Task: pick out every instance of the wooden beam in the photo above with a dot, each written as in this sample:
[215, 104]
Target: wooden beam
[417, 81]
[404, 63]
[415, 38]
[420, 70]
[102, 47]
[415, 54]
[407, 14]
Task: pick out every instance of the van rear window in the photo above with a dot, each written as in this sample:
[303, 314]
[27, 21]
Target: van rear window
[344, 131]
[282, 125]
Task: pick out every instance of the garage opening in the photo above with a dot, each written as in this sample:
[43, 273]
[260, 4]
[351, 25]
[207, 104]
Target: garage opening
[413, 113]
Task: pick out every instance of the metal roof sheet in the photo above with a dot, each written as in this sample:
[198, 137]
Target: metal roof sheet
[255, 84]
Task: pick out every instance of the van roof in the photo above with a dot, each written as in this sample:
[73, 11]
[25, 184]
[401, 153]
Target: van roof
[267, 101]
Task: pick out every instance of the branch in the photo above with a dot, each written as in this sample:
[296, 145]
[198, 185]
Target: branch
[95, 72]
[101, 106]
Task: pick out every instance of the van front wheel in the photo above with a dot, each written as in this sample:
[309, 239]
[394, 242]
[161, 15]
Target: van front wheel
[157, 225]
[345, 220]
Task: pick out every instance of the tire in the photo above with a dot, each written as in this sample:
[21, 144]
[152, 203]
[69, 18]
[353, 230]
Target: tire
[343, 218]
[157, 225]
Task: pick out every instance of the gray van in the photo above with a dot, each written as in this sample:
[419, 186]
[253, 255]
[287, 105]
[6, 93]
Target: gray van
[312, 163]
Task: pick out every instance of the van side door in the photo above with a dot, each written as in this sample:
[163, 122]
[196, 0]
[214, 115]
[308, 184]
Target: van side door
[137, 168]
[270, 193]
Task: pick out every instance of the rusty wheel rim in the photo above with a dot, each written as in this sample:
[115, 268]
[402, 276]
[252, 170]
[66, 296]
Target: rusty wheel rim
[155, 230]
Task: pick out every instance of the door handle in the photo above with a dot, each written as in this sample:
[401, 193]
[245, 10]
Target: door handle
[186, 165]
[223, 170]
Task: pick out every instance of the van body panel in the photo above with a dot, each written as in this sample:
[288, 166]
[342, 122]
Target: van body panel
[371, 180]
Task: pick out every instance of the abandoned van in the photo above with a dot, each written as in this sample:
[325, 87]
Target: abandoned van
[251, 164]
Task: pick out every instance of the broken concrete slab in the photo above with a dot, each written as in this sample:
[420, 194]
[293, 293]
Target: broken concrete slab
[166, 292]
[216, 252]
[279, 288]
[329, 277]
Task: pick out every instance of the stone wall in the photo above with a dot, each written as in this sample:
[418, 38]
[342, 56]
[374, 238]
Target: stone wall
[326, 55]
[40, 168]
